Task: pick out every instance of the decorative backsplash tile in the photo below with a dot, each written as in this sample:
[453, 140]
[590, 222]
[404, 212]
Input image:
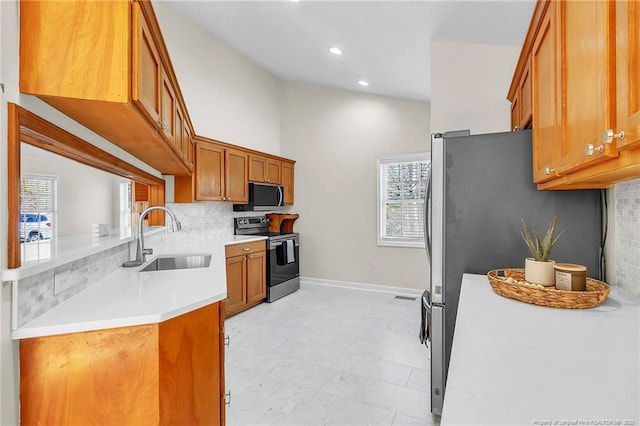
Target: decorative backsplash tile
[36, 293]
[627, 233]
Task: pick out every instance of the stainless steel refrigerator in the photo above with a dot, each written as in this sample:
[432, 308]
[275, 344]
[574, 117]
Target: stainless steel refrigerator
[480, 188]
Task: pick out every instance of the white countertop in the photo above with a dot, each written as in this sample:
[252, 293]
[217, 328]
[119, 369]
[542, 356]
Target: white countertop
[520, 364]
[127, 297]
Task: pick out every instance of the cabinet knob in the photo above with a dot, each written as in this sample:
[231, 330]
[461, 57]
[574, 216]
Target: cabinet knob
[608, 136]
[549, 170]
[589, 149]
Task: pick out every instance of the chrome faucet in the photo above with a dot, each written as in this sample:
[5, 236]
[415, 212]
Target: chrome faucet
[141, 252]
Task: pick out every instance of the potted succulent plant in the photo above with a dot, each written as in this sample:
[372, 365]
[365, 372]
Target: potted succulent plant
[538, 269]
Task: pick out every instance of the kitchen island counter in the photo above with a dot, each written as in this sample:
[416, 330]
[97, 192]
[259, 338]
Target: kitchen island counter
[521, 364]
[128, 297]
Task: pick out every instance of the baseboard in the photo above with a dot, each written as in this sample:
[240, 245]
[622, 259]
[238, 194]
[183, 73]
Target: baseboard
[400, 291]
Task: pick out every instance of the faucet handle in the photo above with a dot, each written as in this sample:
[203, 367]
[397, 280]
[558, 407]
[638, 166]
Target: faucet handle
[147, 251]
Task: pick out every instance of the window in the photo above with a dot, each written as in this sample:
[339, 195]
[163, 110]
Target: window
[38, 213]
[402, 187]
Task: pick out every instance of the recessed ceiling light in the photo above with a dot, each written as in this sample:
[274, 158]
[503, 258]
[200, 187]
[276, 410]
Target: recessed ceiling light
[363, 83]
[295, 1]
[335, 50]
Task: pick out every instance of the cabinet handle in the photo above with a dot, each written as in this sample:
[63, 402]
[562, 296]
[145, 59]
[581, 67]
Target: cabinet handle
[246, 248]
[589, 149]
[515, 129]
[608, 136]
[227, 341]
[549, 170]
[227, 398]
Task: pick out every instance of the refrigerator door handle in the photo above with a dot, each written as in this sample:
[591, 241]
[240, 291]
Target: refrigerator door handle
[427, 228]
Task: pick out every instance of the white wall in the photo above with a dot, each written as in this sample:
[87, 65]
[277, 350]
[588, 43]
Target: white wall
[335, 136]
[469, 84]
[229, 97]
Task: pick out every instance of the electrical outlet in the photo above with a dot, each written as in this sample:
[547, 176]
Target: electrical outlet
[372, 263]
[62, 282]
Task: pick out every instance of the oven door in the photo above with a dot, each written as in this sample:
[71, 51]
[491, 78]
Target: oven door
[282, 267]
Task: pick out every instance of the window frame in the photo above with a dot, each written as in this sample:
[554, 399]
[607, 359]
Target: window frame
[395, 158]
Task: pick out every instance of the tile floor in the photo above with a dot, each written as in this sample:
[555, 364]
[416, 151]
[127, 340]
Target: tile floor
[328, 356]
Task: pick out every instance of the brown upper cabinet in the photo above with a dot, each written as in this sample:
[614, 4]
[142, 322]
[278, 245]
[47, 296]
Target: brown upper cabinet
[585, 107]
[263, 169]
[223, 171]
[220, 175]
[105, 65]
[287, 181]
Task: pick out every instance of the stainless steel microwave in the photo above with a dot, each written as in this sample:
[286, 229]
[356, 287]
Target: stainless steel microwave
[262, 196]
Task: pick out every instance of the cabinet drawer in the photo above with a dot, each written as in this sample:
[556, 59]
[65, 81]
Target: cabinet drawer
[244, 248]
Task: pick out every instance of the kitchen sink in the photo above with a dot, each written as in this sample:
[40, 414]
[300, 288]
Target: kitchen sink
[178, 262]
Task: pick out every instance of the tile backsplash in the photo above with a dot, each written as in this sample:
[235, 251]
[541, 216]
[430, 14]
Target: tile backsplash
[627, 234]
[36, 295]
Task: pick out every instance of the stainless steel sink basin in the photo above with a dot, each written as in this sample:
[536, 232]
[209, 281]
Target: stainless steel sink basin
[178, 262]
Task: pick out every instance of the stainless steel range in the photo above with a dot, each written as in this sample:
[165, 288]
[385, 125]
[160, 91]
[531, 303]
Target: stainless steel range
[283, 270]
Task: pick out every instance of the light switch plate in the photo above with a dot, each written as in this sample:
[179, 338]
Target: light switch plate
[62, 282]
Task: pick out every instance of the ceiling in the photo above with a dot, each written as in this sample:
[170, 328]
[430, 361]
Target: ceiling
[386, 43]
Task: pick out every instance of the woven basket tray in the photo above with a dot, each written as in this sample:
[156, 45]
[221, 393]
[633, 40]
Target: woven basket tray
[595, 293]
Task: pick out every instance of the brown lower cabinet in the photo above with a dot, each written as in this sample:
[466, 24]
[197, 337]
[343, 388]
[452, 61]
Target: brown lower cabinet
[246, 276]
[154, 374]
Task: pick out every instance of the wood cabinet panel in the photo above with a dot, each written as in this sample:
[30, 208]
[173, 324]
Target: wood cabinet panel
[156, 374]
[237, 189]
[210, 175]
[52, 68]
[545, 100]
[236, 288]
[265, 170]
[168, 112]
[246, 276]
[256, 280]
[628, 73]
[274, 171]
[287, 181]
[588, 82]
[190, 369]
[525, 98]
[146, 68]
[257, 168]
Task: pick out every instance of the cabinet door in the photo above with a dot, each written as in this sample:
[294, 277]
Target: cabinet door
[525, 98]
[515, 111]
[545, 100]
[147, 68]
[187, 145]
[628, 72]
[274, 171]
[190, 370]
[236, 288]
[287, 182]
[168, 110]
[257, 169]
[210, 176]
[179, 136]
[237, 188]
[256, 281]
[588, 82]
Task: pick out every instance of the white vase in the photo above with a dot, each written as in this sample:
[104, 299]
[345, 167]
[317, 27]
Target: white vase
[537, 272]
